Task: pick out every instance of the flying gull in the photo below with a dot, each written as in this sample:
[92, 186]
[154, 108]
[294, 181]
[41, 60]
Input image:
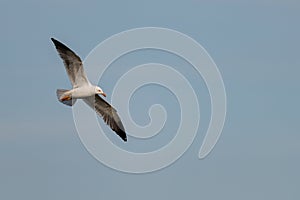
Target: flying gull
[83, 89]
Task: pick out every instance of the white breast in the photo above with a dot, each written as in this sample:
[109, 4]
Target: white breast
[83, 92]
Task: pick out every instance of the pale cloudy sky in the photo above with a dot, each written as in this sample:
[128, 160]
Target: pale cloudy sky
[256, 47]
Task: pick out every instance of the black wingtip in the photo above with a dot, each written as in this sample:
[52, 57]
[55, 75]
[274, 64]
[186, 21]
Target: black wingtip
[53, 40]
[57, 43]
[60, 46]
[119, 130]
[123, 136]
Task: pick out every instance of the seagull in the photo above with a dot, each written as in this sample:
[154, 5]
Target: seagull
[83, 89]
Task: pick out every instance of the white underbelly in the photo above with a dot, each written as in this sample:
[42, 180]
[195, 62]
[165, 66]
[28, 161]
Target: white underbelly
[82, 92]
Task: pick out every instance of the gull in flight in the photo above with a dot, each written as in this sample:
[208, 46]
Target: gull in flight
[83, 89]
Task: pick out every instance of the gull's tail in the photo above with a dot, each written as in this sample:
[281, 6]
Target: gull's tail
[63, 98]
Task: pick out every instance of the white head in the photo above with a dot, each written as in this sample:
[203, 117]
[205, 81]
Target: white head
[98, 90]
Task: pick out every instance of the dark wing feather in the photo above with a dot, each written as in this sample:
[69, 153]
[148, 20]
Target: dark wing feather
[73, 64]
[108, 113]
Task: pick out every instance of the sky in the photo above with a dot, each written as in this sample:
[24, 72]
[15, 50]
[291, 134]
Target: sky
[255, 45]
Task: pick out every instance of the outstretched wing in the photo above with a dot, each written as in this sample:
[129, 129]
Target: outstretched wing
[73, 64]
[108, 113]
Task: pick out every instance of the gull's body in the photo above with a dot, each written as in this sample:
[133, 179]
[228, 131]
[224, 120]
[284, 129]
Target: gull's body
[82, 92]
[83, 89]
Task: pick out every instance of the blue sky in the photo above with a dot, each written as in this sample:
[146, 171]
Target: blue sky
[256, 47]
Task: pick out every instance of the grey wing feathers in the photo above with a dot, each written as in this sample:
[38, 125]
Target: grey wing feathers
[108, 113]
[73, 64]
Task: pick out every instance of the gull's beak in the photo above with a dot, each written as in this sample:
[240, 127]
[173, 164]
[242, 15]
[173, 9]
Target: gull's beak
[103, 94]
